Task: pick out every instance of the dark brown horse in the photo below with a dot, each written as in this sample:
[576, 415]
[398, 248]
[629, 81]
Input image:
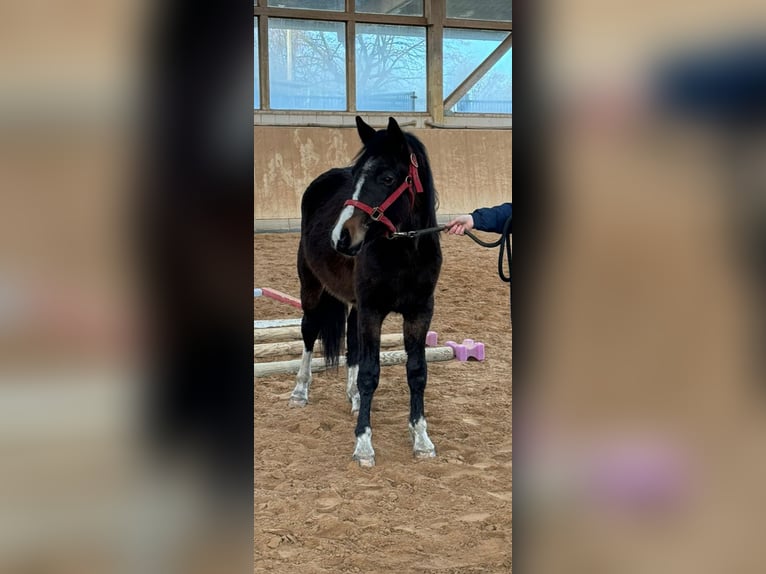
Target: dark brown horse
[354, 271]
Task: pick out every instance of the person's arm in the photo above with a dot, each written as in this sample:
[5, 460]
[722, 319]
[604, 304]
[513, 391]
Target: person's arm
[492, 218]
[484, 219]
[725, 84]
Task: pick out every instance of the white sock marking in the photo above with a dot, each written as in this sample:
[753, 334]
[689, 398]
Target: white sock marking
[303, 379]
[352, 392]
[420, 441]
[364, 450]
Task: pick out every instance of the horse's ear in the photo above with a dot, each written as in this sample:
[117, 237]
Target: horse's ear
[394, 131]
[365, 130]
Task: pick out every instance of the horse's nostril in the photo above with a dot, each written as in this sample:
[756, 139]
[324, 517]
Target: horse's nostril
[345, 240]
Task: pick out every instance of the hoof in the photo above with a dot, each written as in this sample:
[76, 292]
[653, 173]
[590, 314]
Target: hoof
[424, 453]
[365, 462]
[297, 402]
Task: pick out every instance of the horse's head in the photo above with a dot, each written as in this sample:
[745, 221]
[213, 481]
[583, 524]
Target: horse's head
[386, 182]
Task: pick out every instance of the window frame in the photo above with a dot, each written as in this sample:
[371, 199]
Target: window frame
[434, 21]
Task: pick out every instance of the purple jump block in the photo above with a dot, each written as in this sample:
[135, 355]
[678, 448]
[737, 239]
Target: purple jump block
[467, 349]
[432, 338]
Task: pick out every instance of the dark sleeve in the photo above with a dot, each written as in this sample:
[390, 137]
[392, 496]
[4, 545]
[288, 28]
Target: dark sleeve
[727, 84]
[492, 218]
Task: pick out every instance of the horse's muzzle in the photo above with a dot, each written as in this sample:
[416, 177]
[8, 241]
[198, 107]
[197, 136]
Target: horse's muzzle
[344, 245]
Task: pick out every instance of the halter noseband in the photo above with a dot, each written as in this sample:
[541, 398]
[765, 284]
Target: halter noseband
[378, 213]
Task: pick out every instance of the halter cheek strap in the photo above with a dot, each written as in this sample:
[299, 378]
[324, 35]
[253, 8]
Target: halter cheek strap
[411, 183]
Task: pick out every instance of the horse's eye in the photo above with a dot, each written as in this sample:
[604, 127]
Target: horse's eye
[388, 180]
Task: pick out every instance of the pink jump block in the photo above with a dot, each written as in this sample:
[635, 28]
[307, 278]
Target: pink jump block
[432, 338]
[467, 349]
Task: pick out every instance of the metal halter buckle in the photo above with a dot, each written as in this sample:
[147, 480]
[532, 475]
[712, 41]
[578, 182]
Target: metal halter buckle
[376, 214]
[414, 160]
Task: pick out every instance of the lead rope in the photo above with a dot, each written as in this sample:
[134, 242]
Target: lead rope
[505, 249]
[504, 242]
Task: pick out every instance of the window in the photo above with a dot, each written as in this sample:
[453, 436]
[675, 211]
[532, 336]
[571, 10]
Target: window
[334, 5]
[493, 94]
[390, 68]
[257, 74]
[371, 56]
[496, 10]
[307, 65]
[401, 7]
[464, 50]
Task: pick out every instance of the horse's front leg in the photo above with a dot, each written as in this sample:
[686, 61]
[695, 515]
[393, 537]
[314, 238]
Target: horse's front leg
[367, 381]
[415, 330]
[352, 359]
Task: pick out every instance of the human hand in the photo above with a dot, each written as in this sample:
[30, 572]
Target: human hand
[460, 225]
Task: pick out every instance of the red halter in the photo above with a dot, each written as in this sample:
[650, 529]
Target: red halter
[378, 213]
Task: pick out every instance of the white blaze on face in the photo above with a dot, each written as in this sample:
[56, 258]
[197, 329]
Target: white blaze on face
[348, 211]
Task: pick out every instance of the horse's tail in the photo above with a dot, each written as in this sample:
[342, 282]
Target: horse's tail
[331, 314]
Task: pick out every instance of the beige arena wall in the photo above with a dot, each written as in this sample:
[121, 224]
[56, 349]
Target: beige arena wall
[472, 168]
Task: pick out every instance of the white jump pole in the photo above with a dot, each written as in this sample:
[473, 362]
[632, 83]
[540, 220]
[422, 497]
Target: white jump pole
[277, 334]
[268, 324]
[387, 358]
[296, 347]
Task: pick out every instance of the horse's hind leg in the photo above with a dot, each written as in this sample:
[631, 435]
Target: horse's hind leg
[311, 291]
[415, 330]
[352, 359]
[309, 332]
